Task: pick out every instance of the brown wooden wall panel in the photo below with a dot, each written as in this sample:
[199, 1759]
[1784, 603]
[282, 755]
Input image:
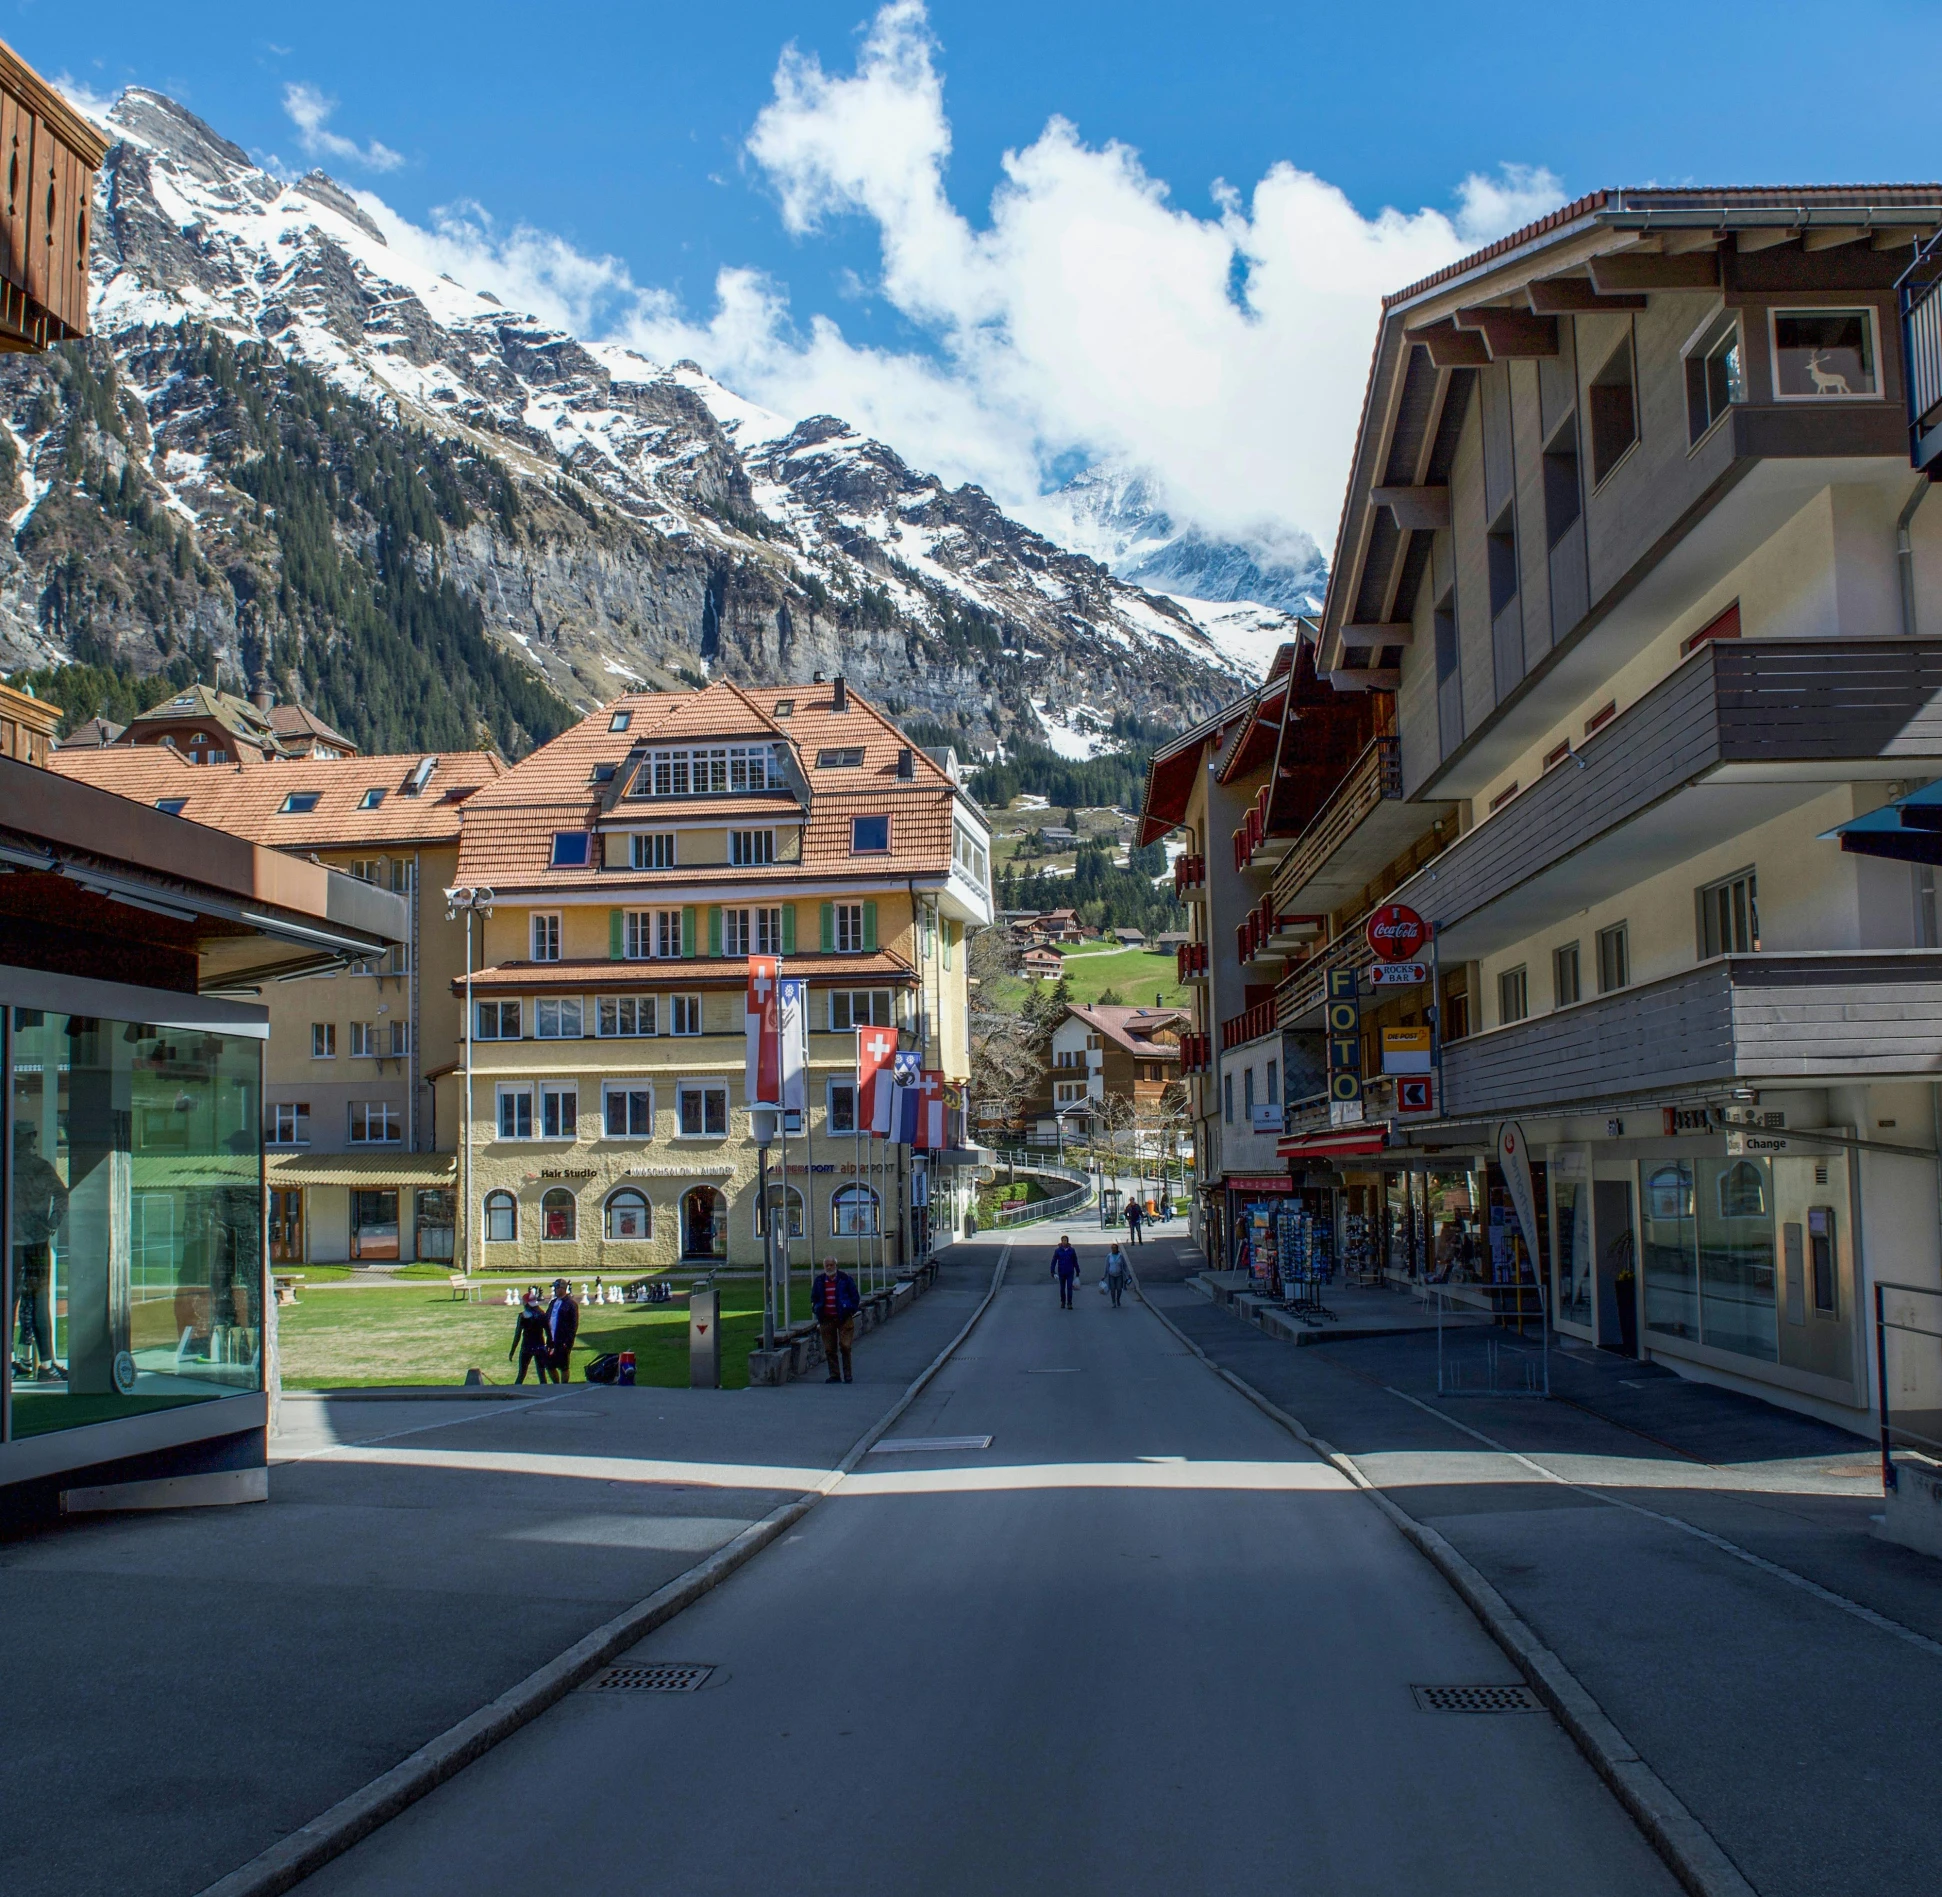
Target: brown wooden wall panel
[35, 192]
[62, 178]
[16, 182]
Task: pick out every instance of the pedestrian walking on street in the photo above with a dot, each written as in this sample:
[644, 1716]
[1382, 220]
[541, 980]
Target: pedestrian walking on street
[833, 1297]
[529, 1337]
[562, 1327]
[1065, 1268]
[1135, 1218]
[1119, 1269]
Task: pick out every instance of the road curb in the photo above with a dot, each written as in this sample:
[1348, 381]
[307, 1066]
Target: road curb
[1689, 1850]
[291, 1859]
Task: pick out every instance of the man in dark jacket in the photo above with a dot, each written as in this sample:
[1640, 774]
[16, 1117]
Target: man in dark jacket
[529, 1337]
[1065, 1268]
[562, 1327]
[1135, 1218]
[833, 1297]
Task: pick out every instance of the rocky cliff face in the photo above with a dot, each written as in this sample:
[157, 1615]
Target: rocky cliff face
[289, 447]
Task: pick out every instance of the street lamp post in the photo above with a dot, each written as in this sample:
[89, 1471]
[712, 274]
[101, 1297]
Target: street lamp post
[473, 901]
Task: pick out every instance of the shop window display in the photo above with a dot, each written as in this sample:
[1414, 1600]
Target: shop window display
[137, 1240]
[1671, 1250]
[1736, 1257]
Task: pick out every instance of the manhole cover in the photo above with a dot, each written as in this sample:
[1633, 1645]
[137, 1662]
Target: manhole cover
[669, 1678]
[1476, 1699]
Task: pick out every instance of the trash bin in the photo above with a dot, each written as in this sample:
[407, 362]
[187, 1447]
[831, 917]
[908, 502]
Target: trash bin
[704, 1339]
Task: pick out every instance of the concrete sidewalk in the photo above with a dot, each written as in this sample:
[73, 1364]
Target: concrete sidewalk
[187, 1688]
[1702, 1561]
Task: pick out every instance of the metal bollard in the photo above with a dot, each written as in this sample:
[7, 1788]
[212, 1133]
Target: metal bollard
[704, 1338]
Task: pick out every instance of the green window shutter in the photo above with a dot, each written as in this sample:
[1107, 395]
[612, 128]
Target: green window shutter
[616, 922]
[869, 928]
[687, 931]
[788, 928]
[829, 928]
[714, 930]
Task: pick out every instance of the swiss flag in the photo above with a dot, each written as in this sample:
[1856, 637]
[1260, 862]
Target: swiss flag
[930, 1113]
[764, 1077]
[876, 1049]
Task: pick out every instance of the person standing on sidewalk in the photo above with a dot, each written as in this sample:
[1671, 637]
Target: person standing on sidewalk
[833, 1297]
[562, 1327]
[1065, 1268]
[1119, 1269]
[529, 1337]
[1135, 1217]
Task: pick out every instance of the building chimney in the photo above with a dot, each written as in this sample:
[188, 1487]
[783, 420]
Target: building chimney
[817, 679]
[841, 701]
[260, 694]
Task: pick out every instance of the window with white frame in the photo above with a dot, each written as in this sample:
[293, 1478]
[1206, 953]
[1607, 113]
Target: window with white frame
[1614, 958]
[1513, 995]
[654, 850]
[557, 1019]
[323, 1040]
[629, 1216]
[652, 934]
[969, 855]
[374, 1123]
[707, 770]
[684, 1014]
[546, 938]
[859, 1008]
[400, 1039]
[748, 849]
[701, 1109]
[627, 1110]
[496, 1020]
[501, 1218]
[1824, 354]
[559, 1110]
[624, 1016]
[290, 1123]
[515, 1113]
[840, 1115]
[751, 931]
[1729, 916]
[363, 1040]
[849, 928]
[853, 1212]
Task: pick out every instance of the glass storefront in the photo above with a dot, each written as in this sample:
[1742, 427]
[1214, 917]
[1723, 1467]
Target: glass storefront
[1670, 1247]
[1709, 1253]
[1571, 1248]
[138, 1218]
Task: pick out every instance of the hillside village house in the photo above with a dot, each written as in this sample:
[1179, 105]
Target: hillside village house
[1130, 1056]
[358, 1168]
[208, 726]
[1041, 964]
[635, 863]
[1634, 606]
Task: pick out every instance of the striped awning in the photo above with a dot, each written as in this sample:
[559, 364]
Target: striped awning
[370, 1170]
[1338, 1142]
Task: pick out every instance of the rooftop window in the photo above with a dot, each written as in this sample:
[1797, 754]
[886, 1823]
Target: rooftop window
[620, 721]
[869, 836]
[601, 774]
[170, 806]
[371, 799]
[299, 803]
[785, 707]
[842, 758]
[570, 849]
[708, 770]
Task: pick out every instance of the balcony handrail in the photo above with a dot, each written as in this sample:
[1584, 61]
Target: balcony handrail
[1921, 312]
[1251, 1024]
[1375, 775]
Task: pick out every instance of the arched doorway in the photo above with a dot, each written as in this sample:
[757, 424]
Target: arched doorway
[704, 1223]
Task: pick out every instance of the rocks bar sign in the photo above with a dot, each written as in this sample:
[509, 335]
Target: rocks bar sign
[1396, 932]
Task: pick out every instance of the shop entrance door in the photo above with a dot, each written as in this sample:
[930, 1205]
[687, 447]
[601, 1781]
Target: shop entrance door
[1618, 1309]
[286, 1225]
[374, 1225]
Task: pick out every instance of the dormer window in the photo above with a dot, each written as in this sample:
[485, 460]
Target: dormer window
[570, 849]
[299, 803]
[785, 707]
[843, 758]
[708, 770]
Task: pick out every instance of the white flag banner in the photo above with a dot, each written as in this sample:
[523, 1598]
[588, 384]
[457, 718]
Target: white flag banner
[1515, 1160]
[794, 1003]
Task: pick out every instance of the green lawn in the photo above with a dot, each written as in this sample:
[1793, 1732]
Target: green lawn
[1135, 975]
[349, 1338]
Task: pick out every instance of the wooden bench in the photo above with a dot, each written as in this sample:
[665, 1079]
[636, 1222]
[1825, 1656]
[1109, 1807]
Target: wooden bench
[464, 1290]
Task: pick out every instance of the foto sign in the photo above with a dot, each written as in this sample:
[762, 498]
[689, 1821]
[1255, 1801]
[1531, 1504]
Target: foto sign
[1344, 1037]
[1398, 974]
[1396, 932]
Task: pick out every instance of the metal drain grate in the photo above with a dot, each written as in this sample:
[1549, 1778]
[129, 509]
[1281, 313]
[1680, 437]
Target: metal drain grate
[669, 1678]
[1476, 1699]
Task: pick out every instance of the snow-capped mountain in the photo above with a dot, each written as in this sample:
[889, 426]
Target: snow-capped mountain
[292, 443]
[1118, 515]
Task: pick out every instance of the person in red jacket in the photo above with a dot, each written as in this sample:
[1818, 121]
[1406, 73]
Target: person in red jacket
[833, 1297]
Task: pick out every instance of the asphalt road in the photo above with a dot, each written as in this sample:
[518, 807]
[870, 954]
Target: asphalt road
[1143, 1643]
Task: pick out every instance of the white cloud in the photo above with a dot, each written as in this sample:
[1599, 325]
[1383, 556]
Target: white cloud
[310, 110]
[83, 97]
[1086, 316]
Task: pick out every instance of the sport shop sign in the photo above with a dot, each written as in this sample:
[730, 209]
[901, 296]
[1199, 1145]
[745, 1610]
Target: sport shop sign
[1396, 932]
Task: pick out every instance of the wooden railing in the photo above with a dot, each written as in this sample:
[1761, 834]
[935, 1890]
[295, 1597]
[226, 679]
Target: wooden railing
[1376, 774]
[1249, 1025]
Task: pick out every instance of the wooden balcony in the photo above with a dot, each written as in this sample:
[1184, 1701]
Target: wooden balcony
[50, 155]
[1362, 828]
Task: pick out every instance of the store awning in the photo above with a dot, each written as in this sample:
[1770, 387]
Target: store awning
[1259, 1182]
[1909, 830]
[376, 1170]
[1339, 1142]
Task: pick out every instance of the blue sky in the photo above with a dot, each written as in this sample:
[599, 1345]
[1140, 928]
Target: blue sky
[625, 132]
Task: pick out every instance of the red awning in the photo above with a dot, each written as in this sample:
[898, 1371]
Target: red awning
[1345, 1142]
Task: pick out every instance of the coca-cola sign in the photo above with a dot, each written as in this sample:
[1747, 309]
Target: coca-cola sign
[1396, 932]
